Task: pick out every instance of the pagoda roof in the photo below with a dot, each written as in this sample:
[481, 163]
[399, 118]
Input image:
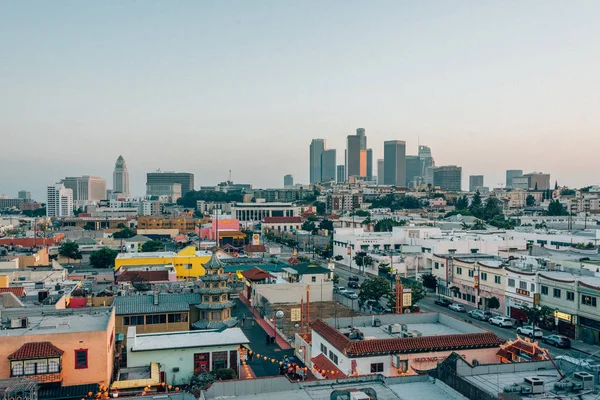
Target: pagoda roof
[214, 262]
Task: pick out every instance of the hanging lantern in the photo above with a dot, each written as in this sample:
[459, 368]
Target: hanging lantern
[265, 358]
[177, 389]
[280, 362]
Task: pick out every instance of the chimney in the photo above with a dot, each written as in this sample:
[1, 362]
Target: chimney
[155, 296]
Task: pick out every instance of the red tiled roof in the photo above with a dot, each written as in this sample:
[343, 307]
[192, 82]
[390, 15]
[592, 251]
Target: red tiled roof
[282, 220]
[325, 367]
[523, 346]
[33, 350]
[18, 291]
[357, 348]
[307, 337]
[256, 274]
[255, 248]
[150, 276]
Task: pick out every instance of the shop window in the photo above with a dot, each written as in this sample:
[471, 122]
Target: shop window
[376, 368]
[81, 358]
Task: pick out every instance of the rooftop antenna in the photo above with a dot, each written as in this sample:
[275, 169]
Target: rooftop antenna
[229, 176]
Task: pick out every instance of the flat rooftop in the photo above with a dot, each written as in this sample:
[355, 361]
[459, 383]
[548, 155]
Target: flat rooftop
[160, 254]
[45, 320]
[431, 329]
[187, 339]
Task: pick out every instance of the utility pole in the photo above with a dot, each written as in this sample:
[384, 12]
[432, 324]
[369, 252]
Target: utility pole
[399, 308]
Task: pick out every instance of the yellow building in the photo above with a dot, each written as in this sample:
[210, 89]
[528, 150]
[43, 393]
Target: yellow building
[188, 262]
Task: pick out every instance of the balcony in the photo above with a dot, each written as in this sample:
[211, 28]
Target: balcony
[53, 377]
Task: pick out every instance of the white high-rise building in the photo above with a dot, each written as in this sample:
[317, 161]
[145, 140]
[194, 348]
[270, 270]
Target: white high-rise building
[86, 189]
[59, 201]
[121, 177]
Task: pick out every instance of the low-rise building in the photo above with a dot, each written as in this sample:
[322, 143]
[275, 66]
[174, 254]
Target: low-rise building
[281, 224]
[187, 262]
[183, 224]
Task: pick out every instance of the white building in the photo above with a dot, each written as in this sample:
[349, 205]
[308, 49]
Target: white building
[86, 189]
[257, 211]
[149, 207]
[59, 201]
[171, 190]
[183, 354]
[121, 178]
[281, 224]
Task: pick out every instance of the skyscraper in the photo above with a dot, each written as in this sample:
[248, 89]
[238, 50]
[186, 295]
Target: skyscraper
[448, 178]
[426, 159]
[185, 179]
[510, 174]
[121, 177]
[538, 181]
[475, 182]
[86, 189]
[414, 171]
[59, 201]
[394, 162]
[341, 173]
[356, 154]
[288, 181]
[328, 158]
[24, 195]
[380, 171]
[369, 164]
[317, 147]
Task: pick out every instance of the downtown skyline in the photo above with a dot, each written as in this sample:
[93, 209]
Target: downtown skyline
[199, 87]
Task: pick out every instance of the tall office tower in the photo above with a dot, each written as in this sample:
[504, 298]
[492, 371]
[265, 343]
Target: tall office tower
[429, 175]
[369, 164]
[475, 182]
[328, 158]
[86, 189]
[24, 195]
[448, 177]
[380, 171]
[414, 171]
[510, 174]
[59, 202]
[394, 162]
[317, 147]
[341, 173]
[185, 179]
[288, 181]
[356, 154]
[538, 181]
[426, 159]
[121, 177]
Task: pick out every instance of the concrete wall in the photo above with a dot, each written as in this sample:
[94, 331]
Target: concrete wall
[249, 387]
[293, 292]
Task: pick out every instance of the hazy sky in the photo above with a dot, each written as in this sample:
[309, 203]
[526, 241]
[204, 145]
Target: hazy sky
[205, 87]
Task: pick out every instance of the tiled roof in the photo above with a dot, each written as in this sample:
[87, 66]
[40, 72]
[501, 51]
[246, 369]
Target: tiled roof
[326, 368]
[18, 291]
[66, 392]
[215, 306]
[214, 263]
[255, 248]
[167, 302]
[523, 346]
[150, 276]
[33, 350]
[282, 220]
[256, 274]
[357, 348]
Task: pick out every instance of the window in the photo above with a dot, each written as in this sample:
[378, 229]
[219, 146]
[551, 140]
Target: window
[323, 349]
[215, 299]
[187, 266]
[174, 318]
[497, 279]
[41, 366]
[570, 296]
[511, 282]
[556, 293]
[54, 365]
[16, 368]
[484, 276]
[533, 287]
[523, 285]
[545, 290]
[29, 367]
[471, 273]
[219, 360]
[156, 319]
[215, 315]
[458, 271]
[333, 357]
[206, 299]
[437, 266]
[376, 367]
[588, 300]
[81, 358]
[133, 320]
[313, 279]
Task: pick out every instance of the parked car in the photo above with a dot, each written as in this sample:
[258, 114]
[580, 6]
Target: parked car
[343, 291]
[351, 295]
[336, 289]
[528, 330]
[353, 285]
[443, 302]
[457, 307]
[558, 341]
[353, 278]
[480, 315]
[503, 322]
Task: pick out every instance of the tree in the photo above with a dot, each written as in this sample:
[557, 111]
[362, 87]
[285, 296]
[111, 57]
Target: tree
[476, 206]
[417, 293]
[313, 218]
[362, 259]
[361, 213]
[530, 201]
[121, 226]
[464, 226]
[387, 225]
[40, 212]
[90, 226]
[70, 250]
[103, 258]
[124, 233]
[462, 203]
[308, 226]
[374, 288]
[537, 315]
[492, 209]
[555, 208]
[429, 281]
[335, 279]
[326, 225]
[152, 245]
[493, 303]
[479, 225]
[321, 207]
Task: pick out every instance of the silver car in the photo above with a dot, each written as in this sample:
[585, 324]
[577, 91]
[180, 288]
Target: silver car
[503, 322]
[457, 307]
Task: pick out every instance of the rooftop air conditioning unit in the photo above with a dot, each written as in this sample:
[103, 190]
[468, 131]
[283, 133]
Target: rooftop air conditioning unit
[535, 383]
[587, 380]
[415, 333]
[394, 328]
[17, 323]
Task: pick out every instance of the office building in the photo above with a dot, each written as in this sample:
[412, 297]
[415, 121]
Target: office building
[475, 182]
[24, 195]
[369, 164]
[511, 174]
[121, 177]
[185, 179]
[380, 171]
[86, 189]
[448, 177]
[356, 154]
[59, 201]
[317, 147]
[414, 171]
[171, 190]
[520, 182]
[426, 159]
[394, 162]
[341, 173]
[288, 181]
[538, 181]
[257, 211]
[328, 158]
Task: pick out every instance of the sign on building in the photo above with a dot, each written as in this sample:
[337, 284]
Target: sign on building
[295, 314]
[256, 239]
[406, 297]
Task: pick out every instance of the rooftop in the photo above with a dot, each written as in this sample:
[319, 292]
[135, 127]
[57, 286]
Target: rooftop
[45, 320]
[309, 269]
[282, 220]
[187, 339]
[167, 302]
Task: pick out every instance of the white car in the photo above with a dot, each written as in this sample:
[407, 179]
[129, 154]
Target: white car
[528, 330]
[343, 291]
[503, 322]
[457, 307]
[351, 295]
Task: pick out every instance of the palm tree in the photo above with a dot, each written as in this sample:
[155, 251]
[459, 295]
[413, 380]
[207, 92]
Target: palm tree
[465, 226]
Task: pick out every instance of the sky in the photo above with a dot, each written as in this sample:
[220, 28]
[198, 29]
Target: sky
[212, 86]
